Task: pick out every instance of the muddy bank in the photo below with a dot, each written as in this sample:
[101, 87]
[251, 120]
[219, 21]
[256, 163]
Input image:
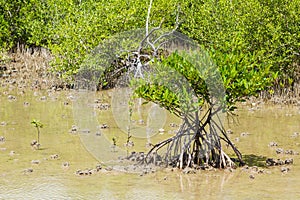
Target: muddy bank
[29, 71]
[32, 70]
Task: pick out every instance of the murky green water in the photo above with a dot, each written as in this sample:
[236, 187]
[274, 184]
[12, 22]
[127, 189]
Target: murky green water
[50, 180]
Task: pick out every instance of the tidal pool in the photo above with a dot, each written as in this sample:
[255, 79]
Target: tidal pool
[252, 131]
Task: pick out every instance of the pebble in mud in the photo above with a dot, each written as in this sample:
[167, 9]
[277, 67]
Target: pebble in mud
[102, 106]
[161, 130]
[253, 170]
[273, 144]
[289, 151]
[104, 126]
[284, 169]
[43, 98]
[65, 164]
[251, 176]
[92, 171]
[11, 97]
[243, 134]
[273, 162]
[84, 172]
[129, 144]
[173, 125]
[34, 144]
[36, 162]
[2, 139]
[74, 129]
[3, 123]
[279, 151]
[141, 122]
[29, 170]
[295, 134]
[54, 156]
[98, 133]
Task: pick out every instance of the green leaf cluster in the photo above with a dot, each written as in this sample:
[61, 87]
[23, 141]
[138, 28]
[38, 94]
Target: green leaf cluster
[252, 38]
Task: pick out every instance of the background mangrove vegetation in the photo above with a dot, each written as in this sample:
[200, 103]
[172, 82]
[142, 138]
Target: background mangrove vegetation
[244, 38]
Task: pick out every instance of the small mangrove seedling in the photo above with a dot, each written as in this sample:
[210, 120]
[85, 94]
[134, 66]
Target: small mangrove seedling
[114, 140]
[37, 124]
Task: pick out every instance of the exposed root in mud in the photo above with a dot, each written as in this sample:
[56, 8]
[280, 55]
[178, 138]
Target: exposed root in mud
[197, 144]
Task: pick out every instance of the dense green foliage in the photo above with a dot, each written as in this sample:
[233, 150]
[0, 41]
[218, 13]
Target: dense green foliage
[239, 35]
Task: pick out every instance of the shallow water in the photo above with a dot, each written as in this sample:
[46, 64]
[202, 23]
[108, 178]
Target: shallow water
[49, 180]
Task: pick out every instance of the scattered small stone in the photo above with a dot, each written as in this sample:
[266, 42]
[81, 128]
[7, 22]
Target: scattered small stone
[254, 169]
[289, 161]
[98, 167]
[132, 156]
[66, 103]
[173, 125]
[284, 169]
[3, 123]
[295, 134]
[34, 144]
[245, 168]
[70, 97]
[189, 170]
[252, 176]
[3, 149]
[2, 139]
[272, 162]
[74, 129]
[98, 133]
[85, 131]
[43, 98]
[109, 168]
[104, 126]
[102, 106]
[291, 152]
[84, 172]
[279, 151]
[129, 144]
[149, 145]
[245, 134]
[261, 171]
[54, 156]
[11, 97]
[65, 164]
[11, 153]
[26, 103]
[141, 122]
[29, 170]
[280, 162]
[273, 144]
[161, 130]
[36, 162]
[97, 101]
[229, 131]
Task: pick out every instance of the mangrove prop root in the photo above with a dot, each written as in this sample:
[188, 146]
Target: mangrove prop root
[196, 145]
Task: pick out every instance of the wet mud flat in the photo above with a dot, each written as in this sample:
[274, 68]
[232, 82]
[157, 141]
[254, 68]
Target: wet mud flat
[267, 136]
